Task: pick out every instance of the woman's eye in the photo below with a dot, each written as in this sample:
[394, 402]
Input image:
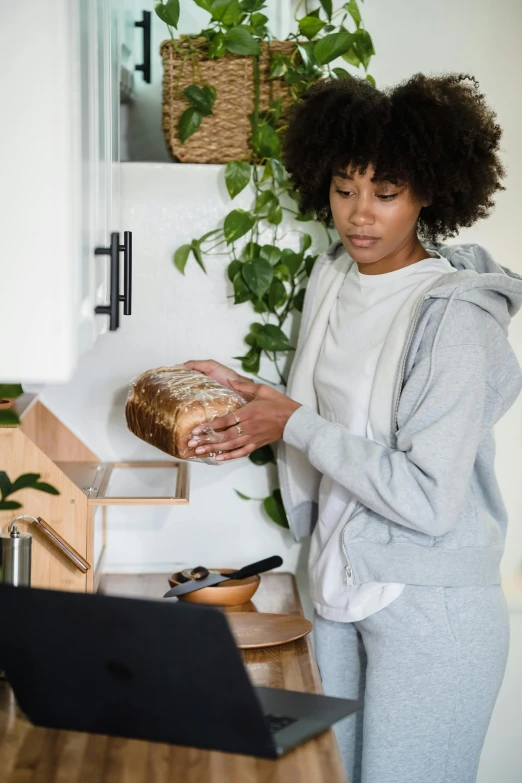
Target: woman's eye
[388, 197]
[343, 192]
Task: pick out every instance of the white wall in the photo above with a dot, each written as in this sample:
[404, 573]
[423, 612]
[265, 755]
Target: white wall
[175, 318]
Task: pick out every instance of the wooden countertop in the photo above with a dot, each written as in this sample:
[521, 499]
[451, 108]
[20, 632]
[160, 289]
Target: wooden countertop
[38, 755]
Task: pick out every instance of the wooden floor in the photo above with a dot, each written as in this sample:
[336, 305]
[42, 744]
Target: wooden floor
[38, 755]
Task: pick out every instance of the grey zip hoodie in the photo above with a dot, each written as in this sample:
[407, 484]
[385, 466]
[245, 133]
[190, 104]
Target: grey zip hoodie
[430, 510]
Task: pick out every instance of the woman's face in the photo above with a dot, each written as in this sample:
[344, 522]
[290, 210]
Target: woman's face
[383, 212]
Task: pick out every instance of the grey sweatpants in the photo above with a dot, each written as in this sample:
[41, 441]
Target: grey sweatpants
[429, 667]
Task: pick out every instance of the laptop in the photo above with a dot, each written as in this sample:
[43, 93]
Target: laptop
[148, 669]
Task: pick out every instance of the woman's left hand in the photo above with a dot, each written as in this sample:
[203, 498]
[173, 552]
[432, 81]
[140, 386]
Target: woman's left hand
[262, 421]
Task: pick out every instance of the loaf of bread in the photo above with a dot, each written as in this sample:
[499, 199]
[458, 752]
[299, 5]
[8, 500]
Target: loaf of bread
[165, 404]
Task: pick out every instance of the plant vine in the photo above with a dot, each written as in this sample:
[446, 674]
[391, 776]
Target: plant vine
[260, 269]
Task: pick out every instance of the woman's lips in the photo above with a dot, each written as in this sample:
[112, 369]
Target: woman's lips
[363, 242]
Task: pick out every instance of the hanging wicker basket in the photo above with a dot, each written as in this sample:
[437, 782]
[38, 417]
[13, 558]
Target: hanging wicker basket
[225, 134]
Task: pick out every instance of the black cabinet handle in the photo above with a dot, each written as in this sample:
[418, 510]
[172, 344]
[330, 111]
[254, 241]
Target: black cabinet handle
[126, 297]
[113, 308]
[145, 66]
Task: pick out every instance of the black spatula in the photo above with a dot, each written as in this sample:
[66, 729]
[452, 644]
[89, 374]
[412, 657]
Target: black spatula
[214, 579]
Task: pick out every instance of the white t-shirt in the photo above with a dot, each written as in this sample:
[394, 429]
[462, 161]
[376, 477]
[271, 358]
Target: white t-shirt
[359, 321]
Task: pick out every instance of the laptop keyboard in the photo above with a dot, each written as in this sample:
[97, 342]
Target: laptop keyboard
[278, 722]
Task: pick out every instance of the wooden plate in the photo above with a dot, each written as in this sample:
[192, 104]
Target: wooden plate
[257, 629]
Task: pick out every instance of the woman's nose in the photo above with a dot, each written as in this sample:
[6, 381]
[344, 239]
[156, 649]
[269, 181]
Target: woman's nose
[362, 217]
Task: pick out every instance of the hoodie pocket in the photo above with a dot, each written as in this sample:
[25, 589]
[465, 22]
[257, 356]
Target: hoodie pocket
[367, 525]
[373, 527]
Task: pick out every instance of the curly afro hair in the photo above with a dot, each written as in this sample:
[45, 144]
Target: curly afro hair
[435, 134]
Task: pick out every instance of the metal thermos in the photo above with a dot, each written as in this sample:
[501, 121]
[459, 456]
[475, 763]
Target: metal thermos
[16, 555]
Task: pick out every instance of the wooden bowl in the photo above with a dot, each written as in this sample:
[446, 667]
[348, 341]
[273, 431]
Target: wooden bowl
[234, 592]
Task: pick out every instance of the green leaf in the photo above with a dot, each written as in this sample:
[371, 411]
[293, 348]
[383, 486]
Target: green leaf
[240, 41]
[274, 508]
[9, 505]
[227, 12]
[196, 250]
[216, 47]
[265, 142]
[306, 243]
[233, 269]
[8, 417]
[291, 260]
[282, 272]
[370, 79]
[266, 201]
[251, 361]
[341, 73]
[309, 264]
[262, 456]
[168, 12]
[327, 5]
[260, 306]
[267, 172]
[310, 64]
[240, 494]
[309, 26]
[237, 176]
[252, 5]
[23, 481]
[10, 391]
[278, 170]
[180, 257]
[298, 300]
[206, 4]
[351, 57]
[354, 12]
[315, 12]
[271, 253]
[250, 251]
[258, 275]
[332, 46]
[275, 215]
[242, 292]
[41, 486]
[307, 216]
[237, 224]
[278, 65]
[5, 484]
[277, 295]
[258, 20]
[188, 123]
[272, 338]
[202, 98]
[364, 47]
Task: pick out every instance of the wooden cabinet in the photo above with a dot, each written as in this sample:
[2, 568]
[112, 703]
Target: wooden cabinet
[59, 157]
[42, 444]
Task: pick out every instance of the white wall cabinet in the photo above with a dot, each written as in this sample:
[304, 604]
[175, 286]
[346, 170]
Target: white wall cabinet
[59, 164]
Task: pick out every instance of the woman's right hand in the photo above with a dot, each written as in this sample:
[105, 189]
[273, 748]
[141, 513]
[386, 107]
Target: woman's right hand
[218, 372]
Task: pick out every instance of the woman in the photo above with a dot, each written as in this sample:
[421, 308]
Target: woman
[386, 453]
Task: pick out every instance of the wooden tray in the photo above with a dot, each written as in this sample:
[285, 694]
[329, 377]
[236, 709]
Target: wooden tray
[258, 629]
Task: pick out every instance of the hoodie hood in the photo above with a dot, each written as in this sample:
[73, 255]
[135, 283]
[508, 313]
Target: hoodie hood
[479, 279]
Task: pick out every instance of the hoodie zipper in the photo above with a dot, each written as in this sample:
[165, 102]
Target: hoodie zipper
[348, 571]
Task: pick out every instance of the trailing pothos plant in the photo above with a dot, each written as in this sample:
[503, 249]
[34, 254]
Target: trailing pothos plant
[261, 269]
[9, 418]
